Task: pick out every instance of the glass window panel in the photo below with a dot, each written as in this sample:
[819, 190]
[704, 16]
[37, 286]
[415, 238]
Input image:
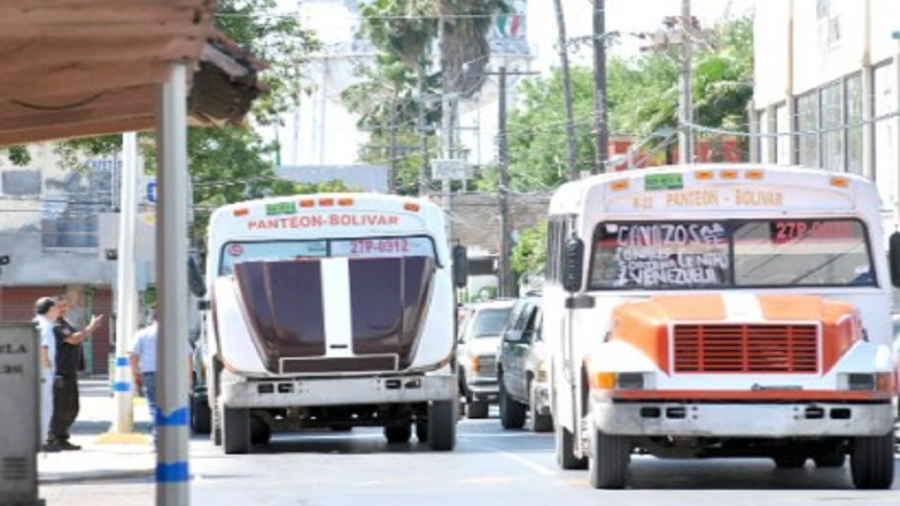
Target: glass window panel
[854, 104]
[807, 127]
[832, 138]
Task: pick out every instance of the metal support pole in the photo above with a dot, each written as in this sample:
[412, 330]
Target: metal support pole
[507, 284]
[392, 149]
[600, 120]
[423, 168]
[126, 294]
[172, 473]
[685, 142]
[567, 89]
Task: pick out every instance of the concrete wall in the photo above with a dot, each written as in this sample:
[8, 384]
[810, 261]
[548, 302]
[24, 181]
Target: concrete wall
[476, 221]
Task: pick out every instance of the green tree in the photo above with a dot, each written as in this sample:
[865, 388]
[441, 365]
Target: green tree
[529, 255]
[642, 101]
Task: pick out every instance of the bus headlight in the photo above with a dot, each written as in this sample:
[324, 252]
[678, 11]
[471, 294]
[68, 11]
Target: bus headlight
[619, 381]
[866, 382]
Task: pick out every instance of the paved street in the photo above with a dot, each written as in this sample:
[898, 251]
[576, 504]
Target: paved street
[489, 467]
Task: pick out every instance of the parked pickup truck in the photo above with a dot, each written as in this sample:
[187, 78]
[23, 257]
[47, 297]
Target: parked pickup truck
[522, 368]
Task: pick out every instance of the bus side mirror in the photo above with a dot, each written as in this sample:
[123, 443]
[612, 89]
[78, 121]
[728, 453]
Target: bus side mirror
[573, 258]
[195, 278]
[460, 266]
[894, 258]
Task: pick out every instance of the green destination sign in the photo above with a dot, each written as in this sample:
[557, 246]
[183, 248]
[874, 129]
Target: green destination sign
[281, 208]
[653, 182]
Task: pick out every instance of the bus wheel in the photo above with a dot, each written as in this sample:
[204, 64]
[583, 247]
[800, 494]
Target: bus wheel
[565, 455]
[872, 462]
[201, 417]
[422, 431]
[216, 429]
[442, 425]
[397, 434]
[609, 460]
[235, 430]
[477, 409]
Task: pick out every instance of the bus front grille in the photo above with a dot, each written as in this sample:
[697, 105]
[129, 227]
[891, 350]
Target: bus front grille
[746, 349]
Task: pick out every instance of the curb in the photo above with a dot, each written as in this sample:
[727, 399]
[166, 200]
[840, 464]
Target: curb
[94, 476]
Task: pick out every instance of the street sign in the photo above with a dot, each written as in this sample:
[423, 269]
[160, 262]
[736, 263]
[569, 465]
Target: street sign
[448, 168]
[151, 191]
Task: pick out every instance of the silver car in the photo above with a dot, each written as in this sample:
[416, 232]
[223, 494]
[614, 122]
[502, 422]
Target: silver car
[479, 338]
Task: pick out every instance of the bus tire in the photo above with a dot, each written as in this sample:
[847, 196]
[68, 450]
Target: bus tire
[608, 464]
[235, 430]
[477, 409]
[512, 412]
[260, 431]
[398, 434]
[201, 418]
[565, 455]
[442, 425]
[872, 462]
[215, 433]
[422, 431]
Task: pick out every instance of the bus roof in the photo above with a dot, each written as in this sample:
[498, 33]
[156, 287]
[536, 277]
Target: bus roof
[571, 198]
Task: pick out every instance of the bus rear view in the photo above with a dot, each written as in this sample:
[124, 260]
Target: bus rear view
[330, 311]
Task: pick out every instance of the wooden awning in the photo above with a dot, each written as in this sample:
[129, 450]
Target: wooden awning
[76, 68]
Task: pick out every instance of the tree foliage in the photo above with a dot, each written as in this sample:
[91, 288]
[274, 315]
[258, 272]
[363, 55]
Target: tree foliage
[529, 255]
[642, 102]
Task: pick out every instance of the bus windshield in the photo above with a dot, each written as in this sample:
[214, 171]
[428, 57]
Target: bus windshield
[731, 254]
[236, 252]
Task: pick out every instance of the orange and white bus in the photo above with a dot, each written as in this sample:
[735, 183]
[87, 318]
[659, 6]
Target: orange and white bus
[331, 311]
[721, 311]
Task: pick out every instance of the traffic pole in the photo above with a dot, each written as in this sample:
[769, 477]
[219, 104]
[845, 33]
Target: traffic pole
[126, 295]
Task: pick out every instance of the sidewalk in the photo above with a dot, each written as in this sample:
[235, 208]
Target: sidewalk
[103, 456]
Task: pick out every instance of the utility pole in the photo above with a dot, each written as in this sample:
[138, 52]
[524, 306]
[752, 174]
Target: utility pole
[423, 168]
[446, 126]
[392, 150]
[600, 120]
[685, 141]
[567, 88]
[507, 287]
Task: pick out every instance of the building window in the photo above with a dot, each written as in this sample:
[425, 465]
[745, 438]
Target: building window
[853, 98]
[832, 106]
[886, 155]
[20, 183]
[807, 106]
[69, 215]
[783, 142]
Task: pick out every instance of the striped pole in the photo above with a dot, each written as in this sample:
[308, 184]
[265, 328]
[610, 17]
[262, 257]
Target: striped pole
[171, 418]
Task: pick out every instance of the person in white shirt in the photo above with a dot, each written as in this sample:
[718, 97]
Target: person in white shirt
[46, 312]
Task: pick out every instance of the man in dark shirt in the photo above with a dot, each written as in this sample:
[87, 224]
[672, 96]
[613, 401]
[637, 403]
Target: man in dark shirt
[69, 360]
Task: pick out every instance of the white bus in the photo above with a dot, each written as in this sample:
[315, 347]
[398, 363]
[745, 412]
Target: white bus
[721, 311]
[334, 311]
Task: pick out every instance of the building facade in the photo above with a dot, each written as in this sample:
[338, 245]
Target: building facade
[827, 75]
[51, 240]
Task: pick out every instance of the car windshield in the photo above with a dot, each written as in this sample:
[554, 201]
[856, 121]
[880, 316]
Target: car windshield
[731, 254]
[489, 322]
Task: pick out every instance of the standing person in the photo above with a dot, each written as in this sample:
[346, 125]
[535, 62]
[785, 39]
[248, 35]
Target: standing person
[46, 313]
[69, 361]
[143, 365]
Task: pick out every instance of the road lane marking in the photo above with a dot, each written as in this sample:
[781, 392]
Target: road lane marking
[544, 471]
